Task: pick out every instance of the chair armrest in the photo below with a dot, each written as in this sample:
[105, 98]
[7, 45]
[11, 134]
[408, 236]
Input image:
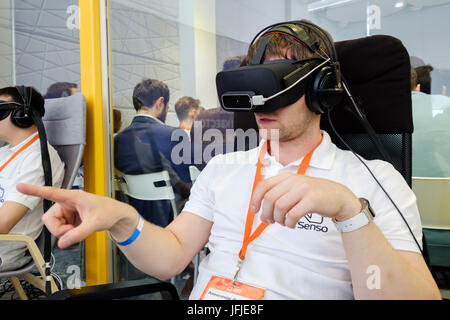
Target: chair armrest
[32, 247]
[125, 289]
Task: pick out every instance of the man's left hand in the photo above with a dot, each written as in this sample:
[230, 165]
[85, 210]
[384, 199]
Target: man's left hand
[290, 196]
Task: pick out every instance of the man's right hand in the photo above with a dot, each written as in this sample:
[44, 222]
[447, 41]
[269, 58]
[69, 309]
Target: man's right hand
[159, 252]
[77, 214]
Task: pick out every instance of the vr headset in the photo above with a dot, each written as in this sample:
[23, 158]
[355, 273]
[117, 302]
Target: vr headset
[268, 86]
[6, 107]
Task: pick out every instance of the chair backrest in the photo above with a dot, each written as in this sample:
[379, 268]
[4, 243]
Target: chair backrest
[146, 186]
[398, 146]
[433, 200]
[65, 126]
[377, 71]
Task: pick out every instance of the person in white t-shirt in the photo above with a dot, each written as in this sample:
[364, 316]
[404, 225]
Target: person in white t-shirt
[272, 233]
[21, 162]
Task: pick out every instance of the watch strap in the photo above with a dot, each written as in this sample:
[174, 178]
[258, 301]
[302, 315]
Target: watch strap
[360, 220]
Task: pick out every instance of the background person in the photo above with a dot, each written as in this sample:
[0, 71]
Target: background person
[187, 110]
[21, 162]
[144, 145]
[151, 102]
[61, 90]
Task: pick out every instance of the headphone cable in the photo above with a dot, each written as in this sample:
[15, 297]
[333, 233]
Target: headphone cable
[373, 176]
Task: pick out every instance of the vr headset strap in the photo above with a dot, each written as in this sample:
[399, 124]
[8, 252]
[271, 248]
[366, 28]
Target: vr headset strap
[257, 58]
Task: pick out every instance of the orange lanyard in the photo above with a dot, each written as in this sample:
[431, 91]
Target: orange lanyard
[248, 238]
[29, 143]
[185, 128]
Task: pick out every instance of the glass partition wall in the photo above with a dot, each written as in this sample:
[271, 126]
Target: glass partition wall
[185, 43]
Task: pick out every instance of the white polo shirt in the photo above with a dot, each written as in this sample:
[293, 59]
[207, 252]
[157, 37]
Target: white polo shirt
[25, 168]
[308, 262]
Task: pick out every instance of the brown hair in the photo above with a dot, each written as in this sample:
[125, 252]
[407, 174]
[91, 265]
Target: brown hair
[147, 91]
[286, 46]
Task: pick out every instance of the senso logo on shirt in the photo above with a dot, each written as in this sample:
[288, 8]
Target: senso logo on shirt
[313, 222]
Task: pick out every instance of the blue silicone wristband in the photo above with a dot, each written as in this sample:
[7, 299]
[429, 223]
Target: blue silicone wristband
[135, 234]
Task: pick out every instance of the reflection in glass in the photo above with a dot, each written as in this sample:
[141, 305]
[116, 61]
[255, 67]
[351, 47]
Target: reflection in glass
[39, 47]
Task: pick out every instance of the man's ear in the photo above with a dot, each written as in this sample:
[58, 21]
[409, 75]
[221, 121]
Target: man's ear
[159, 104]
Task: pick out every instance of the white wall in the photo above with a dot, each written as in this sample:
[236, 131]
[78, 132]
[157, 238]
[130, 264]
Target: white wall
[205, 52]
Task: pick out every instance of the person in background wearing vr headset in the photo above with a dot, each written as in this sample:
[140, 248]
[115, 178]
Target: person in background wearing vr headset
[291, 223]
[21, 162]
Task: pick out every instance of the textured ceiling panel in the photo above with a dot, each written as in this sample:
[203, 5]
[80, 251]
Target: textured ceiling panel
[145, 44]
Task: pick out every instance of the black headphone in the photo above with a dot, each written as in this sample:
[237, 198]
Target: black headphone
[324, 90]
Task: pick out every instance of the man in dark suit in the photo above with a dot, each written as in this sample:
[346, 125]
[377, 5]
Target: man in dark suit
[146, 146]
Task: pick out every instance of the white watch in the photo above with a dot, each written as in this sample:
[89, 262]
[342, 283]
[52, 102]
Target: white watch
[360, 220]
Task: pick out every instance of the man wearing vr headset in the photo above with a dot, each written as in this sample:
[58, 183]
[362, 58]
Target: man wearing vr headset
[313, 237]
[21, 162]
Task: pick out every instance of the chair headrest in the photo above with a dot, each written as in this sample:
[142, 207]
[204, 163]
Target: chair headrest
[65, 120]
